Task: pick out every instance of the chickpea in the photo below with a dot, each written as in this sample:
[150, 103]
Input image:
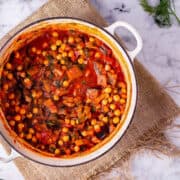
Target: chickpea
[108, 90]
[73, 122]
[116, 97]
[22, 111]
[71, 54]
[104, 102]
[77, 39]
[7, 105]
[23, 74]
[46, 62]
[56, 98]
[84, 133]
[62, 61]
[93, 121]
[70, 40]
[12, 123]
[38, 52]
[63, 47]
[57, 151]
[29, 136]
[80, 60]
[42, 147]
[58, 42]
[19, 67]
[65, 129]
[45, 45]
[31, 131]
[76, 148]
[121, 85]
[20, 127]
[107, 67]
[97, 128]
[117, 112]
[17, 55]
[124, 96]
[116, 120]
[27, 81]
[29, 115]
[105, 119]
[11, 96]
[122, 101]
[10, 76]
[60, 142]
[21, 135]
[17, 118]
[64, 54]
[91, 39]
[101, 116]
[5, 87]
[81, 52]
[33, 49]
[65, 138]
[65, 83]
[123, 90]
[105, 109]
[34, 139]
[97, 55]
[55, 34]
[110, 99]
[8, 66]
[53, 47]
[67, 121]
[13, 102]
[35, 110]
[115, 91]
[58, 57]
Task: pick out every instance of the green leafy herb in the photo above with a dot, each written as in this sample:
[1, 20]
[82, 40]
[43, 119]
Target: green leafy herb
[81, 66]
[161, 12]
[93, 109]
[50, 57]
[53, 124]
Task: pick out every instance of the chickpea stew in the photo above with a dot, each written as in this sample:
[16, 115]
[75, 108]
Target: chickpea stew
[64, 92]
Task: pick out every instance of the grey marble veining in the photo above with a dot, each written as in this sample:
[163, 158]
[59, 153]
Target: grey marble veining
[160, 55]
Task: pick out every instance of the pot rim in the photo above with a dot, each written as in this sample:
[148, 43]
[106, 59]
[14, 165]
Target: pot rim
[127, 59]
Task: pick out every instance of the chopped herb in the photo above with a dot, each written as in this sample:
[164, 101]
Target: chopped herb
[81, 66]
[93, 109]
[50, 57]
[52, 149]
[53, 124]
[161, 12]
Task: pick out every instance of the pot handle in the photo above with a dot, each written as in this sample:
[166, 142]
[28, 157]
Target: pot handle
[132, 54]
[13, 155]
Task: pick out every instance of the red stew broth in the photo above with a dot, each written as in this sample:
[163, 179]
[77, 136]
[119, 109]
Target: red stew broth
[64, 92]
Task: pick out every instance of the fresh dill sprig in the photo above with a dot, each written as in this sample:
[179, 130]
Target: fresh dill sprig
[161, 12]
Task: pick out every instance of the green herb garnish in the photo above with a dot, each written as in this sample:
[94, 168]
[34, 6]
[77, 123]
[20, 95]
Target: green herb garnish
[53, 124]
[161, 12]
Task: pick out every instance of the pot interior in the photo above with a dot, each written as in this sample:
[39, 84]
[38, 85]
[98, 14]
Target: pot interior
[31, 32]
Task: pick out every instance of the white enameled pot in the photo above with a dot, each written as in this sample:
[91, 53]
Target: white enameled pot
[125, 58]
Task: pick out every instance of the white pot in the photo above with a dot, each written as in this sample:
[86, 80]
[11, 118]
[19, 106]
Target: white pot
[125, 59]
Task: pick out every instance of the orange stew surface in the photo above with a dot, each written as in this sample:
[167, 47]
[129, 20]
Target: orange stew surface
[64, 92]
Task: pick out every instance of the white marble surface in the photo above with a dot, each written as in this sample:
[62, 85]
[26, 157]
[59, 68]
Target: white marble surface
[160, 55]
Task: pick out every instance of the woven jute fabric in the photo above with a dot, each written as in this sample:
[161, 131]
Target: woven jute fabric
[154, 107]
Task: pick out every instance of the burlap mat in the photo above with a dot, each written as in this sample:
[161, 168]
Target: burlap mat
[155, 109]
